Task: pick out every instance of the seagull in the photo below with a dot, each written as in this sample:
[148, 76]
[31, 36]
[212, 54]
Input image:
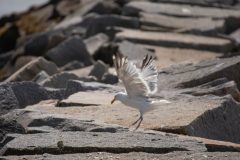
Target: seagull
[140, 81]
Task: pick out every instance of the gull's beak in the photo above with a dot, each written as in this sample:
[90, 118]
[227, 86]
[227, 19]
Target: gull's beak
[113, 100]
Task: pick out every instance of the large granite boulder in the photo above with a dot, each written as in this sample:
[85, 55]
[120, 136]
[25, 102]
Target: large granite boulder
[31, 69]
[69, 50]
[20, 94]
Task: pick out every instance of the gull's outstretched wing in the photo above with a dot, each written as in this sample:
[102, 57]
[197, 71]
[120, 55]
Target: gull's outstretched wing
[137, 81]
[150, 74]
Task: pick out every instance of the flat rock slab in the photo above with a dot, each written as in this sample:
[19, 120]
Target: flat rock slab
[81, 142]
[85, 99]
[204, 116]
[31, 69]
[182, 24]
[176, 40]
[171, 56]
[132, 155]
[133, 8]
[29, 121]
[194, 74]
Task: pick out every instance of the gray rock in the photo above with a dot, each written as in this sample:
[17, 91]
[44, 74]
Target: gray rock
[8, 100]
[133, 155]
[78, 142]
[8, 37]
[41, 76]
[219, 90]
[207, 3]
[95, 42]
[222, 119]
[40, 43]
[28, 93]
[99, 70]
[99, 7]
[37, 122]
[9, 124]
[106, 52]
[103, 22]
[178, 40]
[74, 86]
[71, 49]
[20, 94]
[191, 75]
[185, 114]
[5, 57]
[65, 8]
[22, 61]
[59, 80]
[236, 36]
[72, 65]
[133, 8]
[109, 78]
[206, 26]
[133, 51]
[30, 70]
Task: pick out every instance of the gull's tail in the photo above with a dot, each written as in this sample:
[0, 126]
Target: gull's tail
[162, 102]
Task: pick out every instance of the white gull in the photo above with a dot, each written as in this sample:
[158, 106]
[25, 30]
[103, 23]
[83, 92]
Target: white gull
[140, 81]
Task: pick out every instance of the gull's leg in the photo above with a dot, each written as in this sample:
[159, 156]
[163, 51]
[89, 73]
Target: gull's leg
[141, 119]
[136, 121]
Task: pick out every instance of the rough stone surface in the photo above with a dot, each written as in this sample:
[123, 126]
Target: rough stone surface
[205, 26]
[99, 70]
[109, 78]
[165, 57]
[20, 94]
[77, 142]
[59, 80]
[186, 114]
[100, 7]
[133, 51]
[40, 43]
[94, 43]
[72, 65]
[220, 3]
[5, 57]
[71, 49]
[236, 36]
[30, 70]
[41, 76]
[22, 61]
[10, 124]
[8, 100]
[190, 75]
[132, 155]
[84, 99]
[74, 86]
[216, 88]
[133, 8]
[105, 21]
[29, 121]
[176, 39]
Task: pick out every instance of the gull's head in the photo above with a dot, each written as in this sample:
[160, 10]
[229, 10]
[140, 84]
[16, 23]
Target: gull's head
[118, 96]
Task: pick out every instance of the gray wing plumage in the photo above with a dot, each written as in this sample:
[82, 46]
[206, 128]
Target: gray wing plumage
[138, 81]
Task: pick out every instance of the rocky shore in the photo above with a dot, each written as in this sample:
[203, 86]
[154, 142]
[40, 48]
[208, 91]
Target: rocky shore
[57, 80]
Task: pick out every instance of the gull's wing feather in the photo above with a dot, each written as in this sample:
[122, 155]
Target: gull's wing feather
[131, 77]
[150, 74]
